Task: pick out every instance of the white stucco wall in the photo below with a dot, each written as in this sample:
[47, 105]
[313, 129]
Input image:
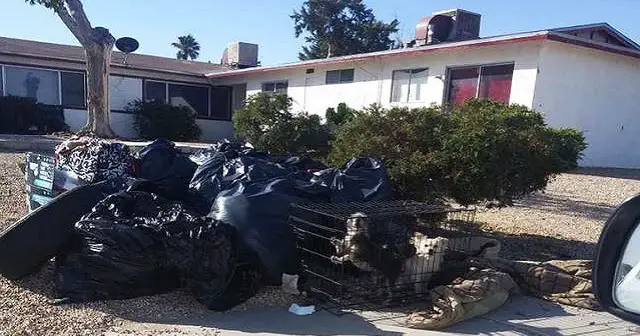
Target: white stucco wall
[122, 91]
[373, 78]
[597, 92]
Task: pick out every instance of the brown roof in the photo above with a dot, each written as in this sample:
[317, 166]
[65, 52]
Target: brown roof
[37, 49]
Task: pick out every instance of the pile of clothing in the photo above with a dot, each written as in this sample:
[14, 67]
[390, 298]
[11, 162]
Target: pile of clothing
[215, 222]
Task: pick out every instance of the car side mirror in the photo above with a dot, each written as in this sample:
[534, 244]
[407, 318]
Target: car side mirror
[616, 271]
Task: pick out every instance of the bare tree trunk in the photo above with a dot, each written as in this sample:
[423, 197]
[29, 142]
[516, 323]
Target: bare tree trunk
[98, 57]
[98, 45]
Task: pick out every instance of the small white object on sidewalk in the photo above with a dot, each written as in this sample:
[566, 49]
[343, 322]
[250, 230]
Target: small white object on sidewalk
[302, 310]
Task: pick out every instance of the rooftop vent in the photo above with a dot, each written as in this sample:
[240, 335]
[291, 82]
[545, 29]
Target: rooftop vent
[240, 55]
[448, 26]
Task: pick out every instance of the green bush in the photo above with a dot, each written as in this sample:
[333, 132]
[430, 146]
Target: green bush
[20, 115]
[268, 123]
[340, 115]
[408, 140]
[477, 152]
[157, 120]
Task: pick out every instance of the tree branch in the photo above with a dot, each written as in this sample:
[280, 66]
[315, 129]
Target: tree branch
[71, 24]
[77, 12]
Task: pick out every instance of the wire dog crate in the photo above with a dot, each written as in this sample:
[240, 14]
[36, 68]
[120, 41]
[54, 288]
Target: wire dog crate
[370, 255]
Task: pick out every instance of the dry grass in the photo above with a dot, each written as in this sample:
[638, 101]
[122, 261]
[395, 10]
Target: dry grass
[564, 221]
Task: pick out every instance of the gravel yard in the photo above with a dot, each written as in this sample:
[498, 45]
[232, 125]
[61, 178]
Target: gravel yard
[564, 222]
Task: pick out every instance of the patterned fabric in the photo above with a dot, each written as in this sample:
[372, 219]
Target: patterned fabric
[93, 159]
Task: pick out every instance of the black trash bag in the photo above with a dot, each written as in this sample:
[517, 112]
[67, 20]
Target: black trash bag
[362, 179]
[259, 210]
[219, 173]
[301, 163]
[160, 162]
[231, 150]
[136, 243]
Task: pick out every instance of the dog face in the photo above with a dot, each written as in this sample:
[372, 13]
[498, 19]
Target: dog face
[357, 223]
[430, 246]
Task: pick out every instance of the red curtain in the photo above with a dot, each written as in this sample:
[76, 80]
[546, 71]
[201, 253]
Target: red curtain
[496, 88]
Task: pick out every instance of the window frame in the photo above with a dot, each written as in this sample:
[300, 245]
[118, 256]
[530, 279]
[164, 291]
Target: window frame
[59, 71]
[274, 83]
[446, 99]
[407, 101]
[340, 80]
[166, 87]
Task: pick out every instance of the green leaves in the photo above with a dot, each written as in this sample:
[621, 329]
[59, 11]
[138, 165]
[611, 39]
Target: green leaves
[188, 47]
[268, 123]
[340, 27]
[53, 4]
[480, 151]
[157, 120]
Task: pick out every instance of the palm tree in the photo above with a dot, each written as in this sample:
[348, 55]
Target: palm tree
[188, 47]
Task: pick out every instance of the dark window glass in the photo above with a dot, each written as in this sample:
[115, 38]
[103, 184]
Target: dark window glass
[221, 102]
[155, 91]
[333, 77]
[73, 89]
[346, 76]
[339, 76]
[1, 81]
[463, 85]
[276, 87]
[195, 97]
[495, 82]
[268, 87]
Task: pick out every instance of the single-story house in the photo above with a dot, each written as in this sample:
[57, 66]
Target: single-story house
[57, 77]
[585, 77]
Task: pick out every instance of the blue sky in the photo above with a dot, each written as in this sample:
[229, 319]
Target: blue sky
[157, 23]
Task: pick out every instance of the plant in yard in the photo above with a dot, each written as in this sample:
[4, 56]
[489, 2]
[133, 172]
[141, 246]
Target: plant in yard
[500, 152]
[188, 47]
[22, 115]
[340, 115]
[157, 120]
[268, 123]
[480, 151]
[409, 141]
[98, 44]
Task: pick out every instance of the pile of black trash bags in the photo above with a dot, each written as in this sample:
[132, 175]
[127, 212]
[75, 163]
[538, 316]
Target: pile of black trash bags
[215, 222]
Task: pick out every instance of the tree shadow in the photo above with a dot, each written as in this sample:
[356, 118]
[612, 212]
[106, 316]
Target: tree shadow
[557, 203]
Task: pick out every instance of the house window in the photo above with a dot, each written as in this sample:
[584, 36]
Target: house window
[192, 96]
[221, 102]
[155, 91]
[339, 76]
[73, 89]
[491, 82]
[275, 87]
[409, 85]
[41, 85]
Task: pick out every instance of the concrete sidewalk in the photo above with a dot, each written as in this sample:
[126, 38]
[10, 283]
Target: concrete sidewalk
[521, 316]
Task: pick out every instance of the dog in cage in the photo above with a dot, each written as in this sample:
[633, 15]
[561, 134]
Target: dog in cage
[375, 246]
[427, 261]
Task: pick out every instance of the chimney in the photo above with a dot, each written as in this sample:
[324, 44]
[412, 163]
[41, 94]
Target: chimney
[240, 55]
[447, 26]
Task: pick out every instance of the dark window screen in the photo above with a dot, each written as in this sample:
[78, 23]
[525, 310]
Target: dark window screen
[155, 91]
[495, 82]
[221, 102]
[73, 89]
[195, 97]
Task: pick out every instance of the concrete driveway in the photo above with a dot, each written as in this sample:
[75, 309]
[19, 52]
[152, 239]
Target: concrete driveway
[521, 316]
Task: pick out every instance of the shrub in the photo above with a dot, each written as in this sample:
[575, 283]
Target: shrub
[408, 140]
[340, 115]
[157, 120]
[19, 115]
[268, 123]
[479, 151]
